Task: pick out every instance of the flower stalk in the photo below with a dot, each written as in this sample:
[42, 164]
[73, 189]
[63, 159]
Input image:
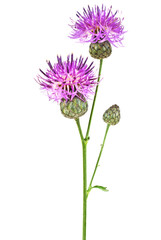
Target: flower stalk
[94, 100]
[102, 146]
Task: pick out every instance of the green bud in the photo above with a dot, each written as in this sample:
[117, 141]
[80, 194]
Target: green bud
[75, 108]
[112, 115]
[100, 50]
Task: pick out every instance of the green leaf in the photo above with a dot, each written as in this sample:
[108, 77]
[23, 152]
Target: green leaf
[101, 188]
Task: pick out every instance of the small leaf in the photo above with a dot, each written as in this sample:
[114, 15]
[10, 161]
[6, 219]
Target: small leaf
[101, 188]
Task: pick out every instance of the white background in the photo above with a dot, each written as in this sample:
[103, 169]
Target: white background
[40, 156]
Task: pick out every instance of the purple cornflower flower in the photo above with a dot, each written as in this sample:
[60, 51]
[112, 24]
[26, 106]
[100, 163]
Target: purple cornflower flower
[98, 25]
[65, 80]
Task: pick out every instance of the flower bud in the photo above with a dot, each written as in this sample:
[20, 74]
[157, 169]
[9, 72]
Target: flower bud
[75, 108]
[112, 115]
[100, 50]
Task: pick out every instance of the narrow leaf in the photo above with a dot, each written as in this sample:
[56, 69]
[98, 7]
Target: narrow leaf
[101, 188]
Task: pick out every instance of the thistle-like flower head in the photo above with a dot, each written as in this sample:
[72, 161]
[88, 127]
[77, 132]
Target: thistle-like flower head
[112, 115]
[68, 79]
[98, 25]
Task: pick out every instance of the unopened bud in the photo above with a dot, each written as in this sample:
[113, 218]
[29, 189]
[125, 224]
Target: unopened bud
[112, 115]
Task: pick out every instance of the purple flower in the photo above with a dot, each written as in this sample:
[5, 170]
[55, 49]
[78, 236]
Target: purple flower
[65, 80]
[98, 25]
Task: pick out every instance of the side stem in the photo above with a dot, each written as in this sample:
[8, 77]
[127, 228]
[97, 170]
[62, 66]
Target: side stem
[90, 185]
[94, 100]
[84, 148]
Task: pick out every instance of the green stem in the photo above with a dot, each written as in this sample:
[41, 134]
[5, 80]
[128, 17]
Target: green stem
[79, 129]
[90, 185]
[84, 148]
[94, 100]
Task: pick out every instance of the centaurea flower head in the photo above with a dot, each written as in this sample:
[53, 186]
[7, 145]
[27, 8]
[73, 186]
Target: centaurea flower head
[98, 25]
[68, 79]
[112, 115]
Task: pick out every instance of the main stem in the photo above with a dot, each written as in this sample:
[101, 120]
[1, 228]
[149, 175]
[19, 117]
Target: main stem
[84, 148]
[84, 144]
[94, 100]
